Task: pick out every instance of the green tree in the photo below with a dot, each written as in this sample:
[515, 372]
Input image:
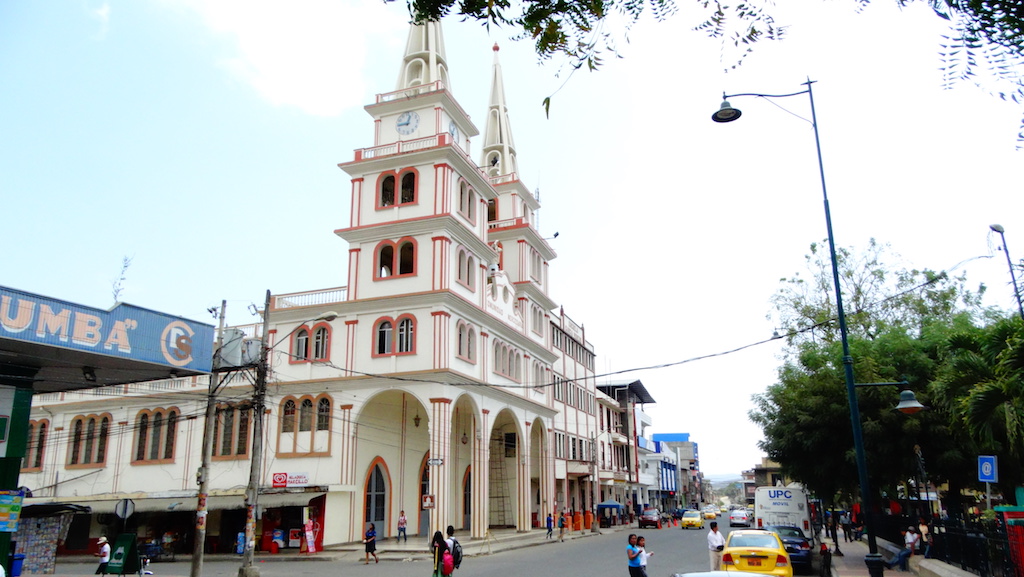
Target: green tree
[899, 320]
[981, 386]
[986, 37]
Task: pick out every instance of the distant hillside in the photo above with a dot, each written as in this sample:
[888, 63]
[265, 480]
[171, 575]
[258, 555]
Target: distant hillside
[722, 480]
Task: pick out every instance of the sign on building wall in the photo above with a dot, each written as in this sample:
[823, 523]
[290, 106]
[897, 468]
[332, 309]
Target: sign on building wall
[284, 480]
[125, 331]
[10, 510]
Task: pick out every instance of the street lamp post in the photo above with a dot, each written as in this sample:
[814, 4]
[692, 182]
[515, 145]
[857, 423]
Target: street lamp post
[727, 113]
[1013, 276]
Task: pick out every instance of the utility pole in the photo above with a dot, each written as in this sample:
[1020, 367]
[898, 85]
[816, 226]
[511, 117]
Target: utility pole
[203, 475]
[252, 491]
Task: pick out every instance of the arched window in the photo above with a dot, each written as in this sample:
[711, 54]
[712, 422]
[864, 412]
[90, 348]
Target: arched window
[386, 260]
[467, 268]
[384, 336]
[467, 342]
[395, 336]
[396, 259]
[305, 426]
[321, 340]
[33, 460]
[387, 191]
[406, 337]
[89, 440]
[143, 430]
[408, 187]
[301, 345]
[288, 417]
[323, 415]
[467, 202]
[155, 435]
[406, 258]
[306, 415]
[231, 431]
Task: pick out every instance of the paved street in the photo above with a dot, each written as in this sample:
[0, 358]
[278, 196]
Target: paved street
[675, 551]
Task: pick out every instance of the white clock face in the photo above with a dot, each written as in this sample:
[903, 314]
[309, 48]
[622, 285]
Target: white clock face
[407, 122]
[453, 130]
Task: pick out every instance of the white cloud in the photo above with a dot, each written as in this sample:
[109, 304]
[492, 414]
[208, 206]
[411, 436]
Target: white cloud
[102, 14]
[311, 55]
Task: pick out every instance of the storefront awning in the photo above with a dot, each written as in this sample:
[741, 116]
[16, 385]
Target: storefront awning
[273, 500]
[213, 503]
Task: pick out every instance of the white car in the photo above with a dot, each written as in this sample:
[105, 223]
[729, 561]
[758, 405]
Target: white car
[739, 517]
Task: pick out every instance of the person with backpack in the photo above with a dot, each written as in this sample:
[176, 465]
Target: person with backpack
[442, 555]
[561, 528]
[454, 546]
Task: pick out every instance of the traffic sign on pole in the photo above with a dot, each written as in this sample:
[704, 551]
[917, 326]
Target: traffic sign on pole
[124, 508]
[988, 469]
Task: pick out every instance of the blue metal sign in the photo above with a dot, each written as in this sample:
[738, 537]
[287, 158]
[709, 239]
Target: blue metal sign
[125, 331]
[988, 469]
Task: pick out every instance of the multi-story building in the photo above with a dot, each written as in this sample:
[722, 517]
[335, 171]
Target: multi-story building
[624, 423]
[440, 381]
[690, 479]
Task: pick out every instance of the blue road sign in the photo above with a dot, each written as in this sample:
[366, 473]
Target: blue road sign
[988, 469]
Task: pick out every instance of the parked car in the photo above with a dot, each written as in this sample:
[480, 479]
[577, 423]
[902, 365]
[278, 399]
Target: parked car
[797, 545]
[677, 513]
[739, 517]
[650, 518]
[692, 519]
[756, 551]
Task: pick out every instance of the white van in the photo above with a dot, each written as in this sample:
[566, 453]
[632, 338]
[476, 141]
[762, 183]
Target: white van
[783, 506]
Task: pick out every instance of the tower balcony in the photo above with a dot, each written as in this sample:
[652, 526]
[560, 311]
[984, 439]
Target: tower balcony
[310, 298]
[407, 93]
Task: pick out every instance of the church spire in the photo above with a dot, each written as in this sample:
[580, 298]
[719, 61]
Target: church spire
[424, 62]
[499, 150]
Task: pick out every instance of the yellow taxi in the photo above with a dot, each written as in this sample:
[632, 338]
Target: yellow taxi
[692, 518]
[710, 512]
[756, 551]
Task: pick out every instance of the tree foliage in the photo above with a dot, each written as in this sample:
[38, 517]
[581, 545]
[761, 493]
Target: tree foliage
[981, 387]
[984, 46]
[902, 322]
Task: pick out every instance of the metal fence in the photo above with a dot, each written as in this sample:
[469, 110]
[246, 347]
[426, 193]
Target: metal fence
[986, 548]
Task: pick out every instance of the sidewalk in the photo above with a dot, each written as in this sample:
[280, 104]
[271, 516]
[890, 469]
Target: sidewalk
[414, 549]
[851, 564]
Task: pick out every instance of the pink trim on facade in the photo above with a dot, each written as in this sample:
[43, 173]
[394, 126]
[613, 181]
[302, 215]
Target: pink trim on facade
[441, 262]
[442, 339]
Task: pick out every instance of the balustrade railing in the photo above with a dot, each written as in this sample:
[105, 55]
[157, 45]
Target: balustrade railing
[410, 92]
[311, 298]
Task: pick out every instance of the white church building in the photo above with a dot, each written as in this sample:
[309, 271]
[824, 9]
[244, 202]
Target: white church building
[447, 383]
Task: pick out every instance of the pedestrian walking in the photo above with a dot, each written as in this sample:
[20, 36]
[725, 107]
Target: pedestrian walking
[561, 528]
[438, 546]
[716, 543]
[550, 524]
[402, 524]
[925, 541]
[641, 543]
[103, 554]
[370, 538]
[633, 554]
[847, 524]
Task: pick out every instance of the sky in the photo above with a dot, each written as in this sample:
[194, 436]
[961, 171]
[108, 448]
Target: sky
[201, 140]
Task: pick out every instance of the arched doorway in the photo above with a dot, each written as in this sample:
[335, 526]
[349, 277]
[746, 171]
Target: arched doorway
[425, 514]
[376, 500]
[467, 499]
